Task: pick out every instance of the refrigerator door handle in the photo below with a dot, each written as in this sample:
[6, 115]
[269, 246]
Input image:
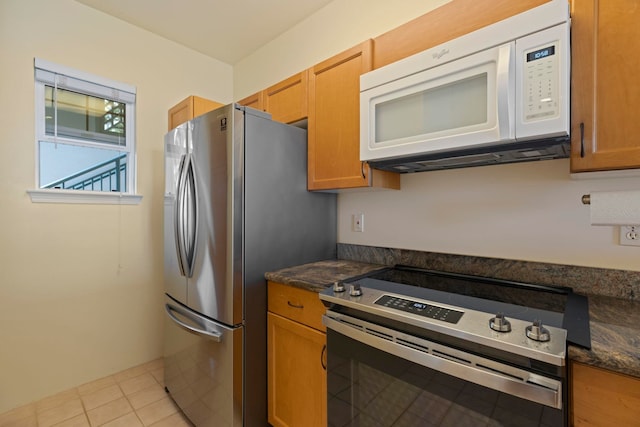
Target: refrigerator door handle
[191, 215]
[179, 215]
[200, 323]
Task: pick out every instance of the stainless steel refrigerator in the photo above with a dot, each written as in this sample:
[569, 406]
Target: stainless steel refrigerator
[235, 206]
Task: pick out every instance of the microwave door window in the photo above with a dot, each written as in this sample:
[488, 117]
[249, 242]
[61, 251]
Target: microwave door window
[435, 111]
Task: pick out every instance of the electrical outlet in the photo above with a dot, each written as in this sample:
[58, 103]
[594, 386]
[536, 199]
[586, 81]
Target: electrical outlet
[357, 222]
[630, 235]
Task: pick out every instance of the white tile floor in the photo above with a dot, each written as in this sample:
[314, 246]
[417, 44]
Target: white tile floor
[131, 398]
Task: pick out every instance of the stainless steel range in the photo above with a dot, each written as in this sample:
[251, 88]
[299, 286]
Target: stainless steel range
[408, 346]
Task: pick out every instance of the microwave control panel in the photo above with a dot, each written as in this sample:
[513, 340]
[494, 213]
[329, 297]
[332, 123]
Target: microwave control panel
[541, 83]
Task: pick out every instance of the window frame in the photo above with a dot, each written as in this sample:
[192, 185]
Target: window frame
[50, 74]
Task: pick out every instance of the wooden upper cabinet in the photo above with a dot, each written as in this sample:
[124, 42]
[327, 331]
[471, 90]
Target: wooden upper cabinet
[286, 101]
[189, 108]
[445, 23]
[254, 101]
[605, 93]
[334, 124]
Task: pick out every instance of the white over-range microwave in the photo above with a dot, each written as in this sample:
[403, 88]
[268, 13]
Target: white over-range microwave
[498, 95]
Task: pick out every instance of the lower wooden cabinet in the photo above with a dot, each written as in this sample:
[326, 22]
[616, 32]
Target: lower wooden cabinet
[603, 398]
[296, 358]
[296, 377]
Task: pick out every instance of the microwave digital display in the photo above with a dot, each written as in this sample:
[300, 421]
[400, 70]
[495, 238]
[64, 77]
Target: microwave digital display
[541, 53]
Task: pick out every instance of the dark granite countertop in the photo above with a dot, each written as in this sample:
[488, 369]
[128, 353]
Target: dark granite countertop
[615, 335]
[316, 276]
[615, 322]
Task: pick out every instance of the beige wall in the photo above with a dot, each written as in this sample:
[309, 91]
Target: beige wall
[81, 285]
[336, 27]
[527, 211]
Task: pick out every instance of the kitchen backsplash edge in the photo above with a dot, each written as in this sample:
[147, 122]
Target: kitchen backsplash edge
[584, 280]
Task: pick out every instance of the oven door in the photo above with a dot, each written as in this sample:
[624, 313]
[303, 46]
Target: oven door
[381, 377]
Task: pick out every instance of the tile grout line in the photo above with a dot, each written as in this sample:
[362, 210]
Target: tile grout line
[84, 409]
[129, 402]
[135, 411]
[150, 368]
[124, 394]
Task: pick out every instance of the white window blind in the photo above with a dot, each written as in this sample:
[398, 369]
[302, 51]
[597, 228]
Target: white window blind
[85, 133]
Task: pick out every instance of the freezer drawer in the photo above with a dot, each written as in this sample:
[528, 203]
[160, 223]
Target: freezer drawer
[203, 367]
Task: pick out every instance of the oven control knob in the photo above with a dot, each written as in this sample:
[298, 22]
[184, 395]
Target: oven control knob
[355, 290]
[537, 332]
[338, 287]
[500, 323]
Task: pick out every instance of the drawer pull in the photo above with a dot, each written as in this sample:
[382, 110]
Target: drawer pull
[294, 305]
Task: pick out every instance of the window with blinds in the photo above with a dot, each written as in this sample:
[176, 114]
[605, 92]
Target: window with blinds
[85, 131]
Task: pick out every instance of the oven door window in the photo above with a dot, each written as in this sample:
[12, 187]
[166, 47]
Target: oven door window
[369, 387]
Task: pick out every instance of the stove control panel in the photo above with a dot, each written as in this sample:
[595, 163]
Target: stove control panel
[420, 308]
[438, 312]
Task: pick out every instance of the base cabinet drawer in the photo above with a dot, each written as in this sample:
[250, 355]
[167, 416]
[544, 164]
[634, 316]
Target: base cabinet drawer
[297, 304]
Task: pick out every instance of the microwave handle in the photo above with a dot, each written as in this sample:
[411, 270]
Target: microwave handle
[506, 85]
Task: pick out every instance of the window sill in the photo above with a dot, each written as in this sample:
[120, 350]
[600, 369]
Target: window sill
[83, 197]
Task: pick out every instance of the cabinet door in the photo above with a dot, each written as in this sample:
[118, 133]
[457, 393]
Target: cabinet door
[604, 398]
[190, 107]
[334, 124]
[287, 101]
[296, 374]
[254, 101]
[605, 86]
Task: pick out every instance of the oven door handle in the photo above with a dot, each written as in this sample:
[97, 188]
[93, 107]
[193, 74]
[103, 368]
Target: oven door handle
[468, 367]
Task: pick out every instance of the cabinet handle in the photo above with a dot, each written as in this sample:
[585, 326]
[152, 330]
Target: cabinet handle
[581, 139]
[362, 170]
[322, 357]
[295, 305]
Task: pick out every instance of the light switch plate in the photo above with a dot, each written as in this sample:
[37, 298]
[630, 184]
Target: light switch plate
[357, 222]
